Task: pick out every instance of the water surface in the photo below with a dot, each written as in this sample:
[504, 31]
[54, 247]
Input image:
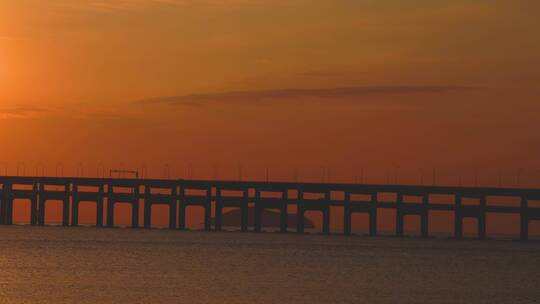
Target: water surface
[89, 265]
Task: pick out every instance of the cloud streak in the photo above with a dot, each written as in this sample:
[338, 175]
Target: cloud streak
[297, 94]
[20, 112]
[134, 5]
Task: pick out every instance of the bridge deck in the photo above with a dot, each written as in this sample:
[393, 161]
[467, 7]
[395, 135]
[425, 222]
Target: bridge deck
[179, 194]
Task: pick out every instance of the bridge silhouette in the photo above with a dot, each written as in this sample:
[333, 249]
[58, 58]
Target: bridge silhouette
[215, 195]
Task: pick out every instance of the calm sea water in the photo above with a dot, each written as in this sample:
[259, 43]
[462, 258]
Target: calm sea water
[89, 265]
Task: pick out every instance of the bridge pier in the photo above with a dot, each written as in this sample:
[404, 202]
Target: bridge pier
[8, 197]
[223, 201]
[8, 220]
[399, 215]
[202, 200]
[8, 206]
[2, 200]
[131, 197]
[147, 221]
[458, 222]
[55, 195]
[150, 199]
[322, 205]
[524, 220]
[87, 196]
[424, 216]
[417, 209]
[34, 205]
[369, 207]
[528, 214]
[4, 203]
[75, 207]
[482, 219]
[110, 213]
[477, 212]
[262, 203]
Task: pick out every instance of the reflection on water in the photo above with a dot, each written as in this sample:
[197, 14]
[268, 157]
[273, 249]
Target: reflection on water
[88, 265]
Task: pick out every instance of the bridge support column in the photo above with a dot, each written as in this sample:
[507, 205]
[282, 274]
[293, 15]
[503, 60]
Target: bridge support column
[135, 214]
[110, 210]
[33, 212]
[242, 205]
[219, 211]
[373, 216]
[99, 207]
[283, 213]
[204, 201]
[399, 215]
[524, 220]
[244, 213]
[258, 218]
[6, 201]
[41, 205]
[326, 213]
[347, 215]
[181, 209]
[75, 206]
[2, 194]
[300, 213]
[41, 212]
[2, 204]
[366, 207]
[326, 221]
[147, 215]
[424, 217]
[208, 215]
[182, 217]
[482, 219]
[172, 213]
[458, 218]
[33, 205]
[65, 208]
[9, 214]
[304, 205]
[75, 214]
[300, 219]
[135, 207]
[218, 217]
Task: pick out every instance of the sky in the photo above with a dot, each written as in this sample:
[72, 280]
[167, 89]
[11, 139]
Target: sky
[414, 91]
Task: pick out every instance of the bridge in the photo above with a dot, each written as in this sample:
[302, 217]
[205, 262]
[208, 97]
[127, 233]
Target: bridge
[214, 196]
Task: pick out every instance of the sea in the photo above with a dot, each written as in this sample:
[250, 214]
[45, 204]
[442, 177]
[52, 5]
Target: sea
[124, 265]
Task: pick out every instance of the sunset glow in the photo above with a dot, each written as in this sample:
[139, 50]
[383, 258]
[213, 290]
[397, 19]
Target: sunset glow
[300, 87]
[269, 151]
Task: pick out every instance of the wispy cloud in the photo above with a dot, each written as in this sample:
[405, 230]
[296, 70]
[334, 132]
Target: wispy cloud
[117, 5]
[331, 94]
[133, 5]
[21, 112]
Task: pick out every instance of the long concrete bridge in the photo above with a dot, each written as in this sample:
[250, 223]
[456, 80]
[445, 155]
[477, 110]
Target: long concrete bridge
[406, 200]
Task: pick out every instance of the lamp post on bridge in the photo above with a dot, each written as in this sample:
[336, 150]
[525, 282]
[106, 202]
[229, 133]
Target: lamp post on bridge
[19, 166]
[79, 169]
[100, 169]
[59, 169]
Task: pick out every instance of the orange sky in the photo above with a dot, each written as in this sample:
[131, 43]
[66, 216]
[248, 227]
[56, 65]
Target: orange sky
[312, 89]
[296, 85]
